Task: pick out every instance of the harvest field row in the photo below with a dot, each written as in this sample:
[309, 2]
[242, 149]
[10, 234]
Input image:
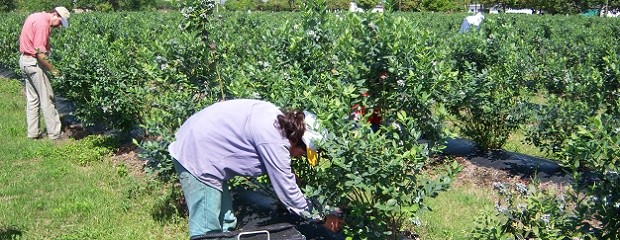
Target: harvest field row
[152, 70]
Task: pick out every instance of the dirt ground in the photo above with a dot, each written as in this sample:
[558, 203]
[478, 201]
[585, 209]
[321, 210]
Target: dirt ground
[471, 173]
[128, 156]
[480, 175]
[484, 177]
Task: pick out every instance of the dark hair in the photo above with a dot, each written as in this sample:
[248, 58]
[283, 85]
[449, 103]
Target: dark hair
[291, 125]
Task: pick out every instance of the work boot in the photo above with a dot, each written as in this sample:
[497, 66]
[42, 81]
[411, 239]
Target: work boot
[40, 136]
[61, 138]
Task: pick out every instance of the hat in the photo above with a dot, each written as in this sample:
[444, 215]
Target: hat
[312, 135]
[64, 15]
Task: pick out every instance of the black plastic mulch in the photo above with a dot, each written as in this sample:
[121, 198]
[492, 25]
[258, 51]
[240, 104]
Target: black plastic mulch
[515, 164]
[257, 211]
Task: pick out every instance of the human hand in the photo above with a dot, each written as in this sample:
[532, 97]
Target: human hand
[334, 223]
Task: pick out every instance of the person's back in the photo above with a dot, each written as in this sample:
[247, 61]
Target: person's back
[35, 34]
[220, 140]
[238, 138]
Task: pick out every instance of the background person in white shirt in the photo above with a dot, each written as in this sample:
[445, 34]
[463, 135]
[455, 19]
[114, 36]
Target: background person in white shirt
[469, 21]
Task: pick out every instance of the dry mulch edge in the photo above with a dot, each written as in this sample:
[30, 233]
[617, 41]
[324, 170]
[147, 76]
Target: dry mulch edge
[484, 177]
[470, 173]
[127, 155]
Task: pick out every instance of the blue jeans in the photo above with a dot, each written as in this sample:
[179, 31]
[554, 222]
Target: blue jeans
[209, 209]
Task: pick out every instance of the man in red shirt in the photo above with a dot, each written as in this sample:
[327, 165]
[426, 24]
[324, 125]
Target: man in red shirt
[34, 47]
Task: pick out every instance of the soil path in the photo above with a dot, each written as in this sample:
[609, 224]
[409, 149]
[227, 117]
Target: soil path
[507, 164]
[6, 73]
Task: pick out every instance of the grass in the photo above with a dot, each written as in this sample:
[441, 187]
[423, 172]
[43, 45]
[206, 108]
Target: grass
[454, 212]
[517, 140]
[73, 189]
[517, 143]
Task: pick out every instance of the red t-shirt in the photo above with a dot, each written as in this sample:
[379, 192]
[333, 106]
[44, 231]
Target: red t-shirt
[35, 34]
[358, 111]
[375, 117]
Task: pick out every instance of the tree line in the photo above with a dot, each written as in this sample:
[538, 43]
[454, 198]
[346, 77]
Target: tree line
[96, 5]
[543, 6]
[556, 6]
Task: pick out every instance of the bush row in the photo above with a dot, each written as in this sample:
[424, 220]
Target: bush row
[154, 70]
[97, 5]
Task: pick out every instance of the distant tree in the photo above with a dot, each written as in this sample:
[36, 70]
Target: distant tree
[7, 5]
[441, 5]
[560, 7]
[115, 5]
[240, 5]
[275, 5]
[32, 6]
[601, 5]
[293, 5]
[367, 4]
[407, 5]
[338, 5]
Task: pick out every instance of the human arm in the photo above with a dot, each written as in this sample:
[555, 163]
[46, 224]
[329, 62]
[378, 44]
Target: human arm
[284, 181]
[40, 41]
[277, 163]
[43, 60]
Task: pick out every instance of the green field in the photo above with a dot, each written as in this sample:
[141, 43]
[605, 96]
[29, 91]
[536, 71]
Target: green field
[73, 189]
[76, 190]
[542, 85]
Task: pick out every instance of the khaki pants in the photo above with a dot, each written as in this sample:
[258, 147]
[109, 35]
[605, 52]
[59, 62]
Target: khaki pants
[39, 95]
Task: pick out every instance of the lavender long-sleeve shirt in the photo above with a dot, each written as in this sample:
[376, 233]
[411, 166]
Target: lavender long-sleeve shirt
[238, 138]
